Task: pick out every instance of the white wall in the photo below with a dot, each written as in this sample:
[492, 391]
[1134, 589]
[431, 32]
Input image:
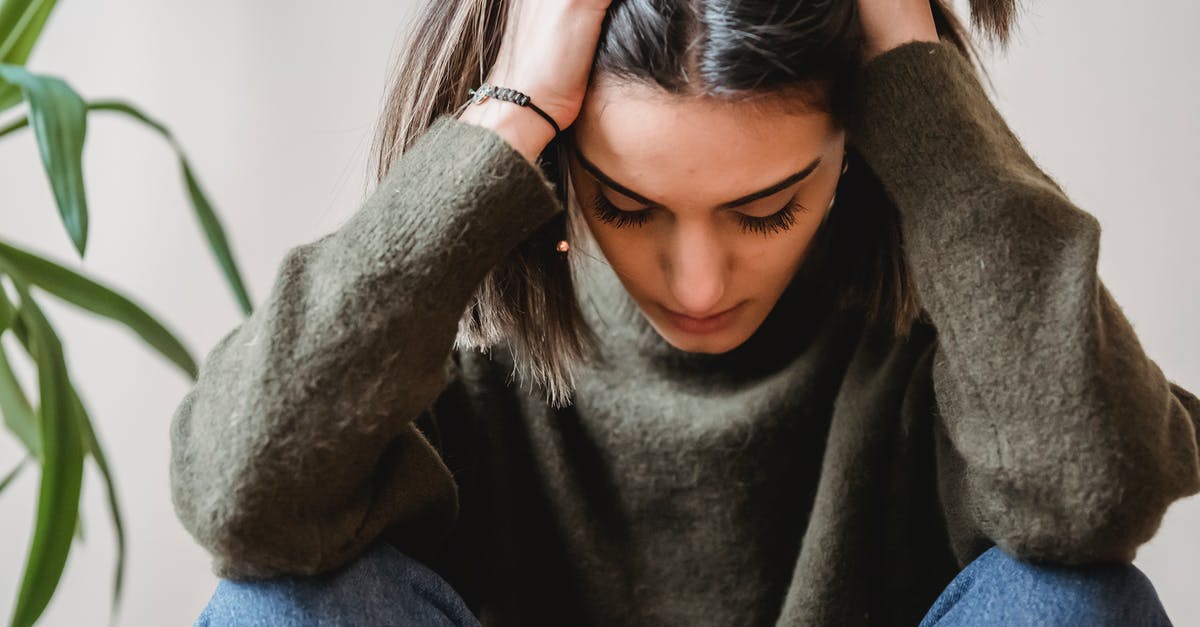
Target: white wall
[274, 102]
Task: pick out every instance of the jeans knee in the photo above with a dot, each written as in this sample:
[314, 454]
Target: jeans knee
[383, 586]
[997, 588]
[1096, 583]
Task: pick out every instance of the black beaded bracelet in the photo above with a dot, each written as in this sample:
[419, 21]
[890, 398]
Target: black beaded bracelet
[486, 90]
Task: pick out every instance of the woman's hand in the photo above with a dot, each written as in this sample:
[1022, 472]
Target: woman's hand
[546, 53]
[889, 23]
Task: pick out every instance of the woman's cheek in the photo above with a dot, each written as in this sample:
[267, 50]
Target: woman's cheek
[626, 249]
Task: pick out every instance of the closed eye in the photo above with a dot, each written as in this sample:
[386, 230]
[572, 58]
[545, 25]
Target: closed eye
[777, 222]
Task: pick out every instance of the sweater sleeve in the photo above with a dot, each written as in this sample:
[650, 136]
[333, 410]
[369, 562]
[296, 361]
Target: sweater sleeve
[299, 442]
[1059, 440]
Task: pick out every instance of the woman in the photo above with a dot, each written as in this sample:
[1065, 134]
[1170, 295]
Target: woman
[784, 328]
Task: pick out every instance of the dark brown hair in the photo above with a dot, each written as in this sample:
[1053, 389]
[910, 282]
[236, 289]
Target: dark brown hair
[798, 49]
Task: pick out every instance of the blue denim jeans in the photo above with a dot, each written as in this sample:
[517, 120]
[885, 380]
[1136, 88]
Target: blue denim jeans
[386, 587]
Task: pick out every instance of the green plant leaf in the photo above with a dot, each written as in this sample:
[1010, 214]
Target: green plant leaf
[59, 119]
[92, 446]
[202, 208]
[216, 237]
[21, 23]
[8, 313]
[12, 474]
[19, 416]
[16, 124]
[62, 467]
[10, 96]
[96, 298]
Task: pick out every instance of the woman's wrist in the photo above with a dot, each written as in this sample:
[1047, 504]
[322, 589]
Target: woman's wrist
[873, 51]
[521, 127]
[889, 24]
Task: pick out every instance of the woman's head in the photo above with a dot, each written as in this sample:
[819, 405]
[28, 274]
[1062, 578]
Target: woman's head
[706, 164]
[701, 205]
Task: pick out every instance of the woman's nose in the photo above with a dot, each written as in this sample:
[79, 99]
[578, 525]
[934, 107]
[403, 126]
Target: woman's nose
[697, 271]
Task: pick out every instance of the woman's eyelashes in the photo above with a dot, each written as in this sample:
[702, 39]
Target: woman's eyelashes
[777, 222]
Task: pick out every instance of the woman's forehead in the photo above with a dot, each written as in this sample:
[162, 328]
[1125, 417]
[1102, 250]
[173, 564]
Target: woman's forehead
[649, 142]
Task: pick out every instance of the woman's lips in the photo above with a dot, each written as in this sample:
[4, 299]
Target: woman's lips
[709, 324]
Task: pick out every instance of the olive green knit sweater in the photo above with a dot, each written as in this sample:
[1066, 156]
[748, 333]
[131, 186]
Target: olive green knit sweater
[821, 473]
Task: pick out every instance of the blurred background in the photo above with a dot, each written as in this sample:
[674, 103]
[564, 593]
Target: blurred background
[275, 103]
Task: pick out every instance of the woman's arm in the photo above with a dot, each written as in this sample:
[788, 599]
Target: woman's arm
[298, 444]
[1060, 440]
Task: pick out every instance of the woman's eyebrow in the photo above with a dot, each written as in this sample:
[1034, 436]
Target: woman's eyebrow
[748, 198]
